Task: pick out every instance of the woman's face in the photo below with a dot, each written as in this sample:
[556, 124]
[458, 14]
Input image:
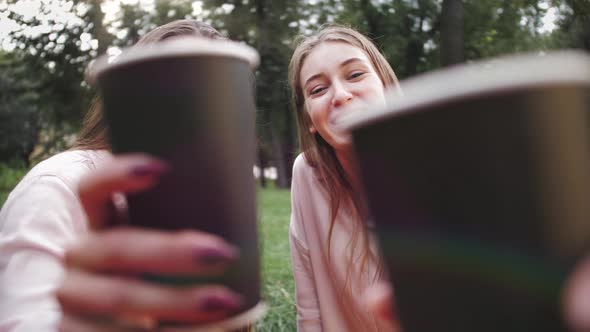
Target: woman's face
[338, 78]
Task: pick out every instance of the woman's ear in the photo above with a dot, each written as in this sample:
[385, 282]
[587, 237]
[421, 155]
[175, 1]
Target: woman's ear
[312, 129]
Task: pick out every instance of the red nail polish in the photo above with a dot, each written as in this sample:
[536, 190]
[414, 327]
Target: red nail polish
[149, 170]
[220, 303]
[213, 256]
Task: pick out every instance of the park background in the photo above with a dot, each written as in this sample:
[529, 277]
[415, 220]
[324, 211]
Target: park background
[45, 46]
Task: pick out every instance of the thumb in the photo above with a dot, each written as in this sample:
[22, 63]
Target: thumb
[577, 297]
[379, 299]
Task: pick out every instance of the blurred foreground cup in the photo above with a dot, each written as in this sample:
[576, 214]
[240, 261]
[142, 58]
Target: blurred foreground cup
[190, 102]
[478, 181]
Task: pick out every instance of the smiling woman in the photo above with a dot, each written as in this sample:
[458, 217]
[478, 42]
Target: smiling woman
[334, 72]
[347, 83]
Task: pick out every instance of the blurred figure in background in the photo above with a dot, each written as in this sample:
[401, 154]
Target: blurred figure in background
[48, 237]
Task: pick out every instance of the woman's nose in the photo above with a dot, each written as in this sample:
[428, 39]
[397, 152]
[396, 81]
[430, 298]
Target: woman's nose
[341, 94]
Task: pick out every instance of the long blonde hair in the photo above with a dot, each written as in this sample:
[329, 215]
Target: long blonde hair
[318, 153]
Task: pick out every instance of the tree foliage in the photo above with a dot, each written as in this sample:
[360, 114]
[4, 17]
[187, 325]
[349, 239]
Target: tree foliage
[45, 89]
[574, 24]
[50, 55]
[20, 119]
[269, 26]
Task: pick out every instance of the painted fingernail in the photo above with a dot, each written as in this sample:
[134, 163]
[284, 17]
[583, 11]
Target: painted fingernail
[213, 256]
[227, 302]
[151, 169]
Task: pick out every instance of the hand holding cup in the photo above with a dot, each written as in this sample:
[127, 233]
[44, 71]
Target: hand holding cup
[100, 291]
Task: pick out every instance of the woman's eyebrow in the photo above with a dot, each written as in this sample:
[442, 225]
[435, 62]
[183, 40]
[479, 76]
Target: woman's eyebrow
[311, 78]
[351, 60]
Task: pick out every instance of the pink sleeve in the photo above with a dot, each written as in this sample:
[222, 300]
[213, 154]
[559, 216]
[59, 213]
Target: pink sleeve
[39, 219]
[308, 313]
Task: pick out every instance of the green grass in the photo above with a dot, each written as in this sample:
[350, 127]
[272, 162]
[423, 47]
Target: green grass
[278, 290]
[274, 211]
[10, 174]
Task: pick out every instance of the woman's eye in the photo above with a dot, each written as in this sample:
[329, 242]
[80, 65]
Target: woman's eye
[317, 90]
[356, 74]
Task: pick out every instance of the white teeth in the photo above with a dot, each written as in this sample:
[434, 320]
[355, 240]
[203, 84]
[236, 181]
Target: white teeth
[341, 114]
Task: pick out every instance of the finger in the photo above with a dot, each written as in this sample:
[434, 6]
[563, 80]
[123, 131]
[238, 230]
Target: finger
[134, 250]
[73, 323]
[112, 296]
[126, 174]
[577, 297]
[379, 299]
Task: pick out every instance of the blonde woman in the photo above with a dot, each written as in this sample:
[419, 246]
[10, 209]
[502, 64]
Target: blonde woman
[338, 277]
[333, 72]
[49, 243]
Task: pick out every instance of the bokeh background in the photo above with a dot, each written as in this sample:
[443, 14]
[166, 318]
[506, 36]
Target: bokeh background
[45, 45]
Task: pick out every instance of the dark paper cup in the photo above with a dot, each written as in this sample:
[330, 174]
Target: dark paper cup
[190, 102]
[478, 182]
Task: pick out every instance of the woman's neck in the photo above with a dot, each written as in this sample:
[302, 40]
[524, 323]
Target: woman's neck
[347, 161]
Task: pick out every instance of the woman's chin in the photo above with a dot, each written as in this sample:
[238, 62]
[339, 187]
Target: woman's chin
[342, 142]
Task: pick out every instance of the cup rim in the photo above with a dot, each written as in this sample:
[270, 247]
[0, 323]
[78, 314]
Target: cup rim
[241, 320]
[173, 47]
[488, 77]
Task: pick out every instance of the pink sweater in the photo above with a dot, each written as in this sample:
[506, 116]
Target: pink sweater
[40, 217]
[323, 303]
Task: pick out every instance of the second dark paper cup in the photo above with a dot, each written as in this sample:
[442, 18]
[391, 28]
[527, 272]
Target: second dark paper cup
[477, 180]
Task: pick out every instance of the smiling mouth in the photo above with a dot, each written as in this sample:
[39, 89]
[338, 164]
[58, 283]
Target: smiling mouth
[336, 119]
[336, 122]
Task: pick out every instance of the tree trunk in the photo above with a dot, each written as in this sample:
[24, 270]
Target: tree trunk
[99, 31]
[279, 158]
[452, 33]
[368, 13]
[289, 147]
[273, 100]
[414, 51]
[262, 163]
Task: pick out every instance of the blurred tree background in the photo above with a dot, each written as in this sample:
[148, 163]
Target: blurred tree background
[47, 44]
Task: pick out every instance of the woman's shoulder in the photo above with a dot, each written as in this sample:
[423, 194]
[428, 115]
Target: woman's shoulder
[68, 166]
[300, 161]
[305, 186]
[301, 168]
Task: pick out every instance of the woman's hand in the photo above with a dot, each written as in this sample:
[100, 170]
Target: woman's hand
[577, 297]
[379, 299]
[101, 291]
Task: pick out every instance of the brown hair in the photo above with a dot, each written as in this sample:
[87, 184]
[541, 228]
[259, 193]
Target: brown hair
[93, 134]
[318, 153]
